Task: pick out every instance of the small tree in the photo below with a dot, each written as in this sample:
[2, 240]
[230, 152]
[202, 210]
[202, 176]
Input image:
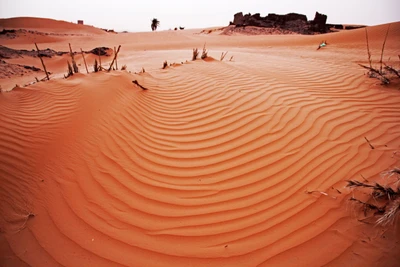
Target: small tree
[154, 24]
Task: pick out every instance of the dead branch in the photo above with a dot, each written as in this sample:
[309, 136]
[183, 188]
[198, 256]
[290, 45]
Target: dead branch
[223, 55]
[137, 83]
[76, 70]
[383, 47]
[44, 67]
[369, 143]
[84, 61]
[114, 59]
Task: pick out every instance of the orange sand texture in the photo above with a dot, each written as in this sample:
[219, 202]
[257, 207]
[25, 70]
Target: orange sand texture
[210, 166]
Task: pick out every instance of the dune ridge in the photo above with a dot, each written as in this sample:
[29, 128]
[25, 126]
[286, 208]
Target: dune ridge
[209, 167]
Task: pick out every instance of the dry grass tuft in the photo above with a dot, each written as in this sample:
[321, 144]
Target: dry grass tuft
[385, 199]
[124, 67]
[195, 54]
[165, 64]
[383, 74]
[204, 53]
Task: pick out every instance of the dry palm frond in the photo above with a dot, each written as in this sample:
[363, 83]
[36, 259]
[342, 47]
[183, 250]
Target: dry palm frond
[392, 209]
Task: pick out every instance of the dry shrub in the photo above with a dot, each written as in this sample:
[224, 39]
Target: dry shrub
[204, 53]
[195, 54]
[165, 64]
[384, 199]
[383, 74]
[124, 67]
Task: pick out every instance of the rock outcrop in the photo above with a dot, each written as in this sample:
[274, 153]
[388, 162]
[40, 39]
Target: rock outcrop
[291, 22]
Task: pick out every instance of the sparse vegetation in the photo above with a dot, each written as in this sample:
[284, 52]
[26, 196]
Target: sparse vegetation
[204, 53]
[195, 54]
[385, 199]
[124, 67]
[223, 55]
[69, 71]
[165, 64]
[154, 24]
[96, 66]
[386, 74]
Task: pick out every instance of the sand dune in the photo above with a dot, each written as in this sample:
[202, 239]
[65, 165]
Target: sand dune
[210, 166]
[48, 25]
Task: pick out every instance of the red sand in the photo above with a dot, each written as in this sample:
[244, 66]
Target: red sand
[209, 167]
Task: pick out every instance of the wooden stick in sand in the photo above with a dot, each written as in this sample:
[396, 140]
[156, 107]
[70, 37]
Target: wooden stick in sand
[84, 61]
[44, 67]
[76, 70]
[115, 57]
[100, 61]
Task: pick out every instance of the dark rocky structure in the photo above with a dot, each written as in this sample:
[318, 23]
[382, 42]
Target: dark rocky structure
[292, 22]
[319, 23]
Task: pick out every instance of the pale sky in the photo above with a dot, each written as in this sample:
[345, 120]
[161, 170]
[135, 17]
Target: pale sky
[136, 15]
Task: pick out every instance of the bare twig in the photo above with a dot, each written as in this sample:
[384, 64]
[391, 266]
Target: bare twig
[115, 57]
[195, 54]
[369, 52]
[84, 61]
[383, 47]
[369, 143]
[44, 67]
[320, 192]
[392, 70]
[70, 71]
[137, 83]
[223, 55]
[204, 53]
[76, 70]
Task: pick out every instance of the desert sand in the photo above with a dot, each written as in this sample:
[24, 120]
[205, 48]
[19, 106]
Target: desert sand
[208, 167]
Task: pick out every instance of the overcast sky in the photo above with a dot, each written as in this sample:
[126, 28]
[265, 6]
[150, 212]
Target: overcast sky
[135, 15]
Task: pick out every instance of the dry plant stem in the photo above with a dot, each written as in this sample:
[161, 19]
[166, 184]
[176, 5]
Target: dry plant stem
[392, 70]
[383, 47]
[44, 67]
[223, 55]
[369, 143]
[204, 53]
[115, 57]
[84, 61]
[321, 192]
[100, 67]
[73, 59]
[369, 52]
[383, 78]
[195, 54]
[137, 83]
[70, 71]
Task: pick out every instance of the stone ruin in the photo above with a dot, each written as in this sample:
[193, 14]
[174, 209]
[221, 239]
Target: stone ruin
[292, 22]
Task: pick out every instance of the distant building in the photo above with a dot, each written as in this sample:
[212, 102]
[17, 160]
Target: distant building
[80, 22]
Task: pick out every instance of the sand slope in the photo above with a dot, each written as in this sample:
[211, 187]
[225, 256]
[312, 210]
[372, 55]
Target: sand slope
[48, 25]
[209, 167]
